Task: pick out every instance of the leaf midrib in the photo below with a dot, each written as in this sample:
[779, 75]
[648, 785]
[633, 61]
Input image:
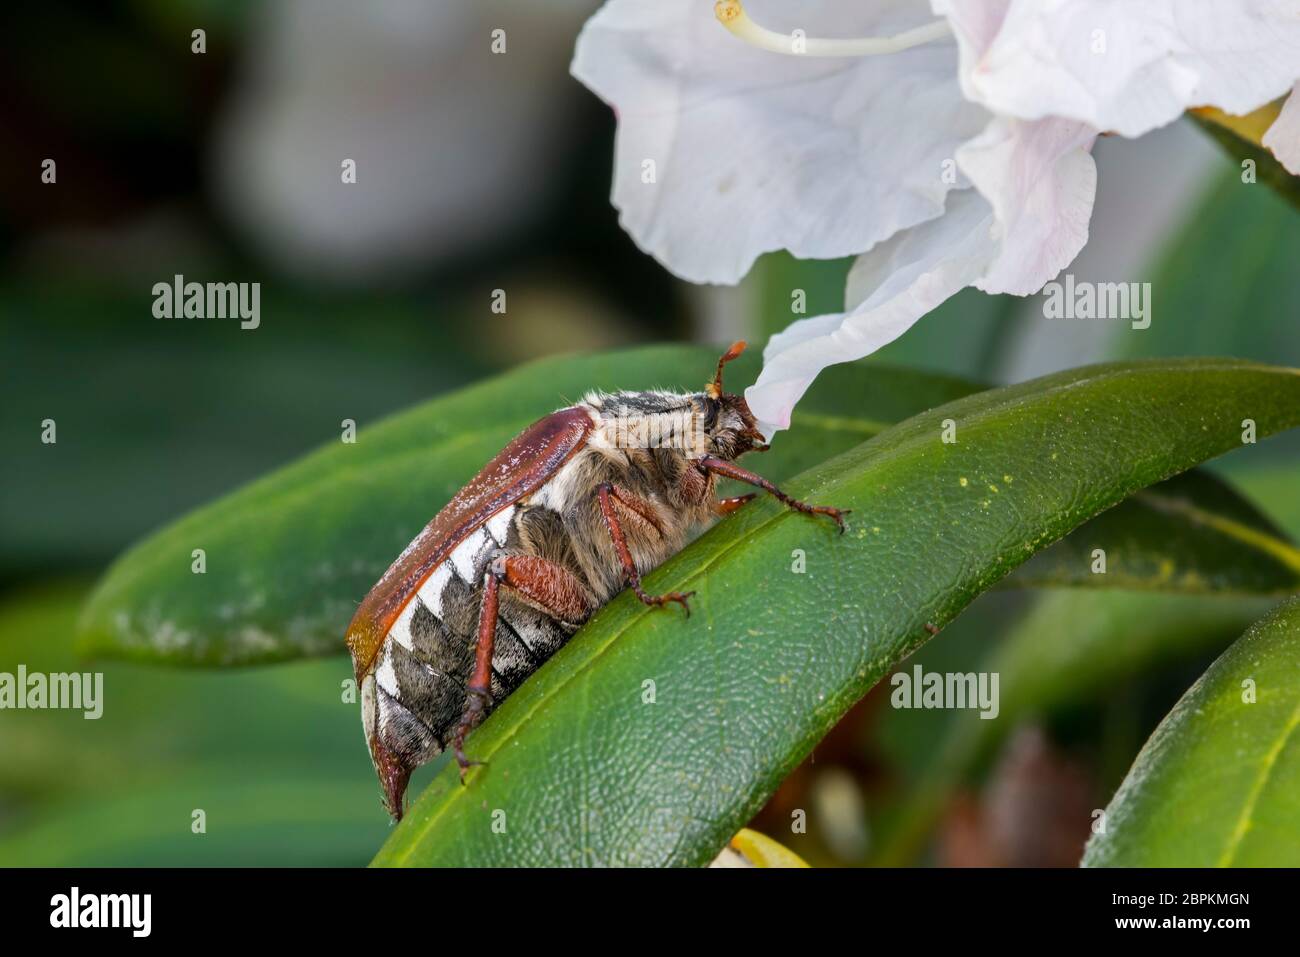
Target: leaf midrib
[1278, 548]
[1248, 809]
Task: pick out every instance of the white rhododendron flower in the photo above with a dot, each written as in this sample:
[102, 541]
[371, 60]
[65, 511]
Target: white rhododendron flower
[944, 153]
[1283, 137]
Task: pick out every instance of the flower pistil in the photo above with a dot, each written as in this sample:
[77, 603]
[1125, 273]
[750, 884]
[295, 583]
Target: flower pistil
[731, 14]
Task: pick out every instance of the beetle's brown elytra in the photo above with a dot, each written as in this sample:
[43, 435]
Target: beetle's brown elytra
[576, 508]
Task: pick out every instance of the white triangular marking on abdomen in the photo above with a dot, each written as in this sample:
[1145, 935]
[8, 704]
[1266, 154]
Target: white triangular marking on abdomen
[465, 556]
[401, 630]
[498, 525]
[386, 678]
[431, 590]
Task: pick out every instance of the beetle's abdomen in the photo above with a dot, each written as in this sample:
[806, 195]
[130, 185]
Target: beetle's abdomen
[420, 680]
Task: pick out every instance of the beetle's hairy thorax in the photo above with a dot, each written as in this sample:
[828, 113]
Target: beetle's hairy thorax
[416, 693]
[663, 476]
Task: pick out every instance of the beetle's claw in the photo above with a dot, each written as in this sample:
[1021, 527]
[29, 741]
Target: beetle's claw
[681, 599]
[835, 513]
[464, 768]
[465, 763]
[666, 597]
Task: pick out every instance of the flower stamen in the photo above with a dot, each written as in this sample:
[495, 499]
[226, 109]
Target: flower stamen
[731, 14]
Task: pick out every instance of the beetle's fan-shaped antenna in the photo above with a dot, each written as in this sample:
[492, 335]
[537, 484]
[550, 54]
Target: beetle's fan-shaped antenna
[714, 388]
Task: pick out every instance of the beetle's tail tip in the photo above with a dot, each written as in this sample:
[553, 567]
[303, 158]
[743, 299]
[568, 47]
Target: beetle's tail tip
[394, 775]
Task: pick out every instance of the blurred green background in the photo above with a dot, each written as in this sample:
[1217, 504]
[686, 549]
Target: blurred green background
[474, 173]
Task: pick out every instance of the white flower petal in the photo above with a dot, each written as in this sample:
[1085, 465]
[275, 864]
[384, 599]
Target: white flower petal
[893, 285]
[1283, 137]
[755, 151]
[1041, 181]
[1126, 66]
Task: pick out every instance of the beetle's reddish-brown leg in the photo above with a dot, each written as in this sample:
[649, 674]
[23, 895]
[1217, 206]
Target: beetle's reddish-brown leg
[725, 506]
[480, 682]
[607, 494]
[550, 587]
[732, 471]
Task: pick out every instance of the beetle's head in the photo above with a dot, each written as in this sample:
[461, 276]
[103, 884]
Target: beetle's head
[731, 427]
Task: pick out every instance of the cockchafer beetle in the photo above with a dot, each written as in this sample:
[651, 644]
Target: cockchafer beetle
[578, 506]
